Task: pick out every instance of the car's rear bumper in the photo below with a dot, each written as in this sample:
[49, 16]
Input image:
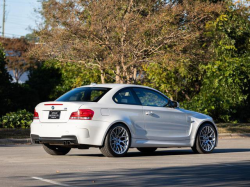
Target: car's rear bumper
[63, 140]
[87, 132]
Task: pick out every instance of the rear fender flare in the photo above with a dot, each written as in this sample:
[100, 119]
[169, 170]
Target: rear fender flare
[129, 126]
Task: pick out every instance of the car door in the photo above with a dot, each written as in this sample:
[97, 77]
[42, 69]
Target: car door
[162, 122]
[129, 109]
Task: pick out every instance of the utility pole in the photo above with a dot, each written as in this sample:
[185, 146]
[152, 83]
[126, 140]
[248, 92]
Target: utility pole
[3, 18]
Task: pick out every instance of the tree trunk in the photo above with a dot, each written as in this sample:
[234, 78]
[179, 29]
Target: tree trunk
[117, 77]
[128, 78]
[102, 76]
[15, 73]
[135, 75]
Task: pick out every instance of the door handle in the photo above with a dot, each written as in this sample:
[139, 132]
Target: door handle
[149, 113]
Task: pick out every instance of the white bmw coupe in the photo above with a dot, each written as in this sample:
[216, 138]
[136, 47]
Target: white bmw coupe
[116, 117]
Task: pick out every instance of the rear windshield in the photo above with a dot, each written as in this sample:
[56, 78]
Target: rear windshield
[85, 94]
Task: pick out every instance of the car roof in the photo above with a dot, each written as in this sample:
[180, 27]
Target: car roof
[119, 86]
[114, 85]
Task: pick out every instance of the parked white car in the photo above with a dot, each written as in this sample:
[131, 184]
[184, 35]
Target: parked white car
[116, 117]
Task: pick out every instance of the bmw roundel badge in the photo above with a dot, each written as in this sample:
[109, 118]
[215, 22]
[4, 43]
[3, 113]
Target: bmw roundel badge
[52, 107]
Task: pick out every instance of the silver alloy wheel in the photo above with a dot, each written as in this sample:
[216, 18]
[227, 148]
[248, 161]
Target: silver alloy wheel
[207, 138]
[119, 140]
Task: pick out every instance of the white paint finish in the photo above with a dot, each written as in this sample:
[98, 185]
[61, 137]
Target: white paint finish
[49, 181]
[164, 123]
[94, 136]
[132, 116]
[163, 128]
[83, 132]
[105, 111]
[66, 110]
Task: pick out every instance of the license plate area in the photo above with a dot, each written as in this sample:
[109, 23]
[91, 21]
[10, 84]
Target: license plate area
[54, 114]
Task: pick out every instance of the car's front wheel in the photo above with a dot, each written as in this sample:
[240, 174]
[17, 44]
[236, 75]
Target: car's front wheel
[56, 150]
[117, 141]
[205, 139]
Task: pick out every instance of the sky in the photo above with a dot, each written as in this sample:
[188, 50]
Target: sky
[20, 15]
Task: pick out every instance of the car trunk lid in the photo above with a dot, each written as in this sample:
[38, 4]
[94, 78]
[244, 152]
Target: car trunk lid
[57, 112]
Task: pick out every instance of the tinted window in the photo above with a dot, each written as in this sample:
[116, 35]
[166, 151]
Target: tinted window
[125, 96]
[87, 94]
[150, 97]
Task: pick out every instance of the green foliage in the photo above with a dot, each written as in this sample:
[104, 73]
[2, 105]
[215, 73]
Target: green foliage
[22, 97]
[5, 84]
[14, 96]
[72, 75]
[4, 75]
[225, 86]
[52, 78]
[220, 86]
[163, 78]
[19, 119]
[43, 80]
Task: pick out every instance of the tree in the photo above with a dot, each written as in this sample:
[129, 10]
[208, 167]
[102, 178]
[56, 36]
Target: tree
[16, 55]
[118, 37]
[5, 82]
[225, 86]
[13, 96]
[72, 76]
[51, 78]
[177, 73]
[43, 80]
[214, 76]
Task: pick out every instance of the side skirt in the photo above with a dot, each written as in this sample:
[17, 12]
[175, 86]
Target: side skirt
[160, 143]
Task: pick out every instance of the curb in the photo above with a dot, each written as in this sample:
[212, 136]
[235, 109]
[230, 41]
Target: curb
[15, 141]
[28, 140]
[234, 135]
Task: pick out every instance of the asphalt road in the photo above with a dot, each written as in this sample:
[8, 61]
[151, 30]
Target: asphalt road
[29, 165]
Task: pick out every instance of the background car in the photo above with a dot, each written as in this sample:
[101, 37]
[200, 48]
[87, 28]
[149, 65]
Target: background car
[116, 117]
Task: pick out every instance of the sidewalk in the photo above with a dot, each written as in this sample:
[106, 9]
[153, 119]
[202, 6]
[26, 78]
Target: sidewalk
[28, 141]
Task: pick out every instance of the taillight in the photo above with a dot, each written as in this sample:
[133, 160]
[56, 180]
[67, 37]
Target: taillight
[82, 114]
[36, 115]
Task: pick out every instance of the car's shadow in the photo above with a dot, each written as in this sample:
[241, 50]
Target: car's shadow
[134, 153]
[219, 174]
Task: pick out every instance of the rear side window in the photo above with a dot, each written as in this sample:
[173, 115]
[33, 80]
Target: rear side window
[85, 94]
[125, 96]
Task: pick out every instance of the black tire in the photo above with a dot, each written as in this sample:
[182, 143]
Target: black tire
[197, 148]
[107, 149]
[194, 149]
[56, 150]
[147, 150]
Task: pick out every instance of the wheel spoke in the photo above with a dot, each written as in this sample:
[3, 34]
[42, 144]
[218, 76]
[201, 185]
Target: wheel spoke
[207, 138]
[119, 140]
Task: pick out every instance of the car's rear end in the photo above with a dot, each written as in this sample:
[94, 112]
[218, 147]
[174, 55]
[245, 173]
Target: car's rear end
[72, 120]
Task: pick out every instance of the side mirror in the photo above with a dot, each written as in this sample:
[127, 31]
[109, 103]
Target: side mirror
[175, 104]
